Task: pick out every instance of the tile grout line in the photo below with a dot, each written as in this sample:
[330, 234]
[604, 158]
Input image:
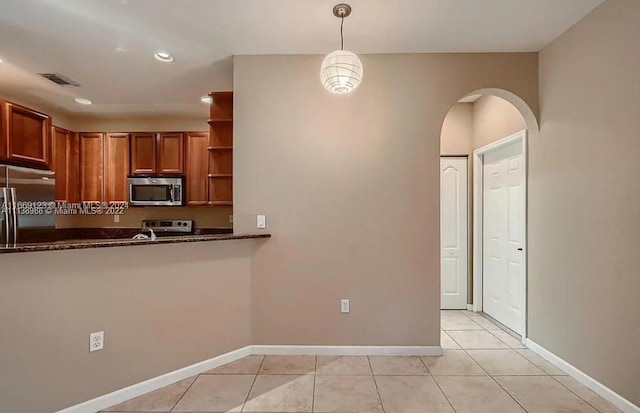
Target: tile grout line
[438, 385]
[497, 382]
[451, 337]
[482, 329]
[493, 378]
[577, 395]
[375, 383]
[185, 392]
[246, 399]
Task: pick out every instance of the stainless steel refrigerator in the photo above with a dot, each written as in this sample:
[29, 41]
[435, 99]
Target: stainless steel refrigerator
[23, 194]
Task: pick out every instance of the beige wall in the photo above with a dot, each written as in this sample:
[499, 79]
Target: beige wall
[457, 130]
[493, 119]
[469, 126]
[349, 185]
[203, 217]
[162, 307]
[584, 203]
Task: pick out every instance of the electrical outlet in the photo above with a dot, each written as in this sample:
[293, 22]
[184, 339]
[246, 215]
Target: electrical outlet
[96, 341]
[344, 305]
[116, 218]
[230, 219]
[262, 221]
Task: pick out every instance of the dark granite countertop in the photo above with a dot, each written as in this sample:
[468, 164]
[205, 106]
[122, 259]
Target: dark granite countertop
[70, 244]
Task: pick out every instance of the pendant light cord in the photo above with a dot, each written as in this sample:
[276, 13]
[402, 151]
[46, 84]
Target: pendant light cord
[341, 34]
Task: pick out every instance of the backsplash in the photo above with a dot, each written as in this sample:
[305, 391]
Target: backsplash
[203, 217]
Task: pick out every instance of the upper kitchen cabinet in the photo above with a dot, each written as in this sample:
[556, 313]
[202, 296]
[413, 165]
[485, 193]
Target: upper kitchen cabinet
[170, 153]
[64, 162]
[143, 153]
[157, 153]
[116, 167]
[91, 167]
[25, 136]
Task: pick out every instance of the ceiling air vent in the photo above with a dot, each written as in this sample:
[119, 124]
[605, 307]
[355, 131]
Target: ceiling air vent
[59, 79]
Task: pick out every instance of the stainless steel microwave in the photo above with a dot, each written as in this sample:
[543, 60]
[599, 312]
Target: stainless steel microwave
[156, 190]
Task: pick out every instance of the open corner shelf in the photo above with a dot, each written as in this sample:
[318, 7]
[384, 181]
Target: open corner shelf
[220, 175]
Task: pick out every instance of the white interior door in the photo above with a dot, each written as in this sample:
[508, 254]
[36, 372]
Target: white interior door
[453, 233]
[503, 236]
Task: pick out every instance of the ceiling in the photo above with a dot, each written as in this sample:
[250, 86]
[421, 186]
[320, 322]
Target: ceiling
[107, 45]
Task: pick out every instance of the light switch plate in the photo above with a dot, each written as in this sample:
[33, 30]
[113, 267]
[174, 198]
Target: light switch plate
[344, 306]
[262, 221]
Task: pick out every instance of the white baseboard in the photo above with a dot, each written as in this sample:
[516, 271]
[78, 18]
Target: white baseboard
[469, 307]
[138, 389]
[594, 385]
[347, 350]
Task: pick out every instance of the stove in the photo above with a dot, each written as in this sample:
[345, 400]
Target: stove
[169, 227]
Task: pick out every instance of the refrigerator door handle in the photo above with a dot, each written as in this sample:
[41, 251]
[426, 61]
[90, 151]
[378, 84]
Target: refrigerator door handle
[14, 209]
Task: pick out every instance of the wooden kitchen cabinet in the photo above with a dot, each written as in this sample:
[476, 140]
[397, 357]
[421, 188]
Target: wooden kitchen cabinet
[143, 153]
[91, 167]
[64, 162]
[116, 167]
[25, 135]
[170, 153]
[196, 168]
[157, 153]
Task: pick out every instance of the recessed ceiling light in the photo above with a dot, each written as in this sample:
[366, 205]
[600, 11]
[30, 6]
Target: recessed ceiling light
[83, 101]
[163, 56]
[206, 99]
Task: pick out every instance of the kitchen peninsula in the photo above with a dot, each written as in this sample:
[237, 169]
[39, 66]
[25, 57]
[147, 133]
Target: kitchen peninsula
[122, 242]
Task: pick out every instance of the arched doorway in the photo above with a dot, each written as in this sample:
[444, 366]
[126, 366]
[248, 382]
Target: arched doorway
[484, 140]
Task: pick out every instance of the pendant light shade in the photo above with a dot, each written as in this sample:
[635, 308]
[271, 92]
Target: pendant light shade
[341, 71]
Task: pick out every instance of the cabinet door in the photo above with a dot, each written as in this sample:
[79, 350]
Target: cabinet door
[73, 169]
[170, 153]
[116, 167]
[61, 161]
[27, 136]
[196, 168]
[91, 149]
[143, 153]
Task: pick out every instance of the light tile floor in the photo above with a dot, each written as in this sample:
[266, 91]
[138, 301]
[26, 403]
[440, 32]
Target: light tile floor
[484, 369]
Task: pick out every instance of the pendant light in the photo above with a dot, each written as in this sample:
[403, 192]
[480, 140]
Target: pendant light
[341, 71]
